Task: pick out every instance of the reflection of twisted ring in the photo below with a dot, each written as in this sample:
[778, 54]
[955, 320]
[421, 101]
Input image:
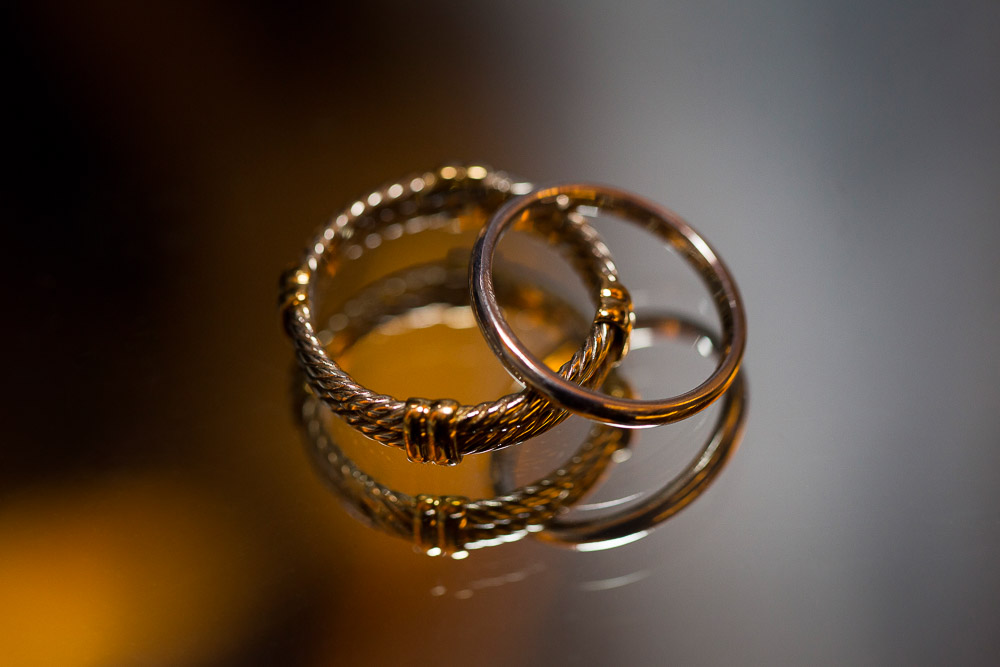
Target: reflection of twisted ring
[634, 523]
[450, 525]
[443, 431]
[570, 395]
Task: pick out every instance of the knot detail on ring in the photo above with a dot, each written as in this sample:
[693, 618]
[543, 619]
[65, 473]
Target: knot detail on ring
[438, 524]
[429, 431]
[615, 308]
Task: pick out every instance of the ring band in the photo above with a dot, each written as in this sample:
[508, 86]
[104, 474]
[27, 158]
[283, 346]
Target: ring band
[450, 525]
[576, 398]
[439, 431]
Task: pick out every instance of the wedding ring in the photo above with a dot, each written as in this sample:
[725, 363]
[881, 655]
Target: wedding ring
[527, 368]
[440, 431]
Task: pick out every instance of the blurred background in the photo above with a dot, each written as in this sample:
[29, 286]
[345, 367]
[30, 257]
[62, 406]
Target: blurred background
[168, 161]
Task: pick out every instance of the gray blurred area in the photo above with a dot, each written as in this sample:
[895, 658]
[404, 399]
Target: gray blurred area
[842, 157]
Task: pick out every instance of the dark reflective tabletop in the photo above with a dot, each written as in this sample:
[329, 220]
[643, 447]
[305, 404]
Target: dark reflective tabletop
[169, 490]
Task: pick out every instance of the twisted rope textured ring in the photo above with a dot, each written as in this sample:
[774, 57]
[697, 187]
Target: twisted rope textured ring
[441, 431]
[583, 400]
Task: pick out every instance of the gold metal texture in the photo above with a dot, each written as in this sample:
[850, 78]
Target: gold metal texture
[663, 223]
[413, 204]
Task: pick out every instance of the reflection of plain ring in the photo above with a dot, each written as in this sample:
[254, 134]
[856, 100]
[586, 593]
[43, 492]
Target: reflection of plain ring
[635, 522]
[569, 395]
[442, 431]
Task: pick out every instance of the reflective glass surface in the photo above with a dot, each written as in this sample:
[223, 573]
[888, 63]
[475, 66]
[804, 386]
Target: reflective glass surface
[165, 499]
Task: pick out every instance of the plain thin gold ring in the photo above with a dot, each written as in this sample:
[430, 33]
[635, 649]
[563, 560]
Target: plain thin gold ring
[670, 227]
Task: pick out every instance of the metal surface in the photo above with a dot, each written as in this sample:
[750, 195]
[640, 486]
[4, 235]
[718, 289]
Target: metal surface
[582, 400]
[390, 212]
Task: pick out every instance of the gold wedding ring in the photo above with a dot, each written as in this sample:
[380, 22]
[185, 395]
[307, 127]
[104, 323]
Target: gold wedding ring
[583, 400]
[440, 431]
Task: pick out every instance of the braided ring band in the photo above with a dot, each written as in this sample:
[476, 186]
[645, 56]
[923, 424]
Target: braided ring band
[442, 431]
[583, 400]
